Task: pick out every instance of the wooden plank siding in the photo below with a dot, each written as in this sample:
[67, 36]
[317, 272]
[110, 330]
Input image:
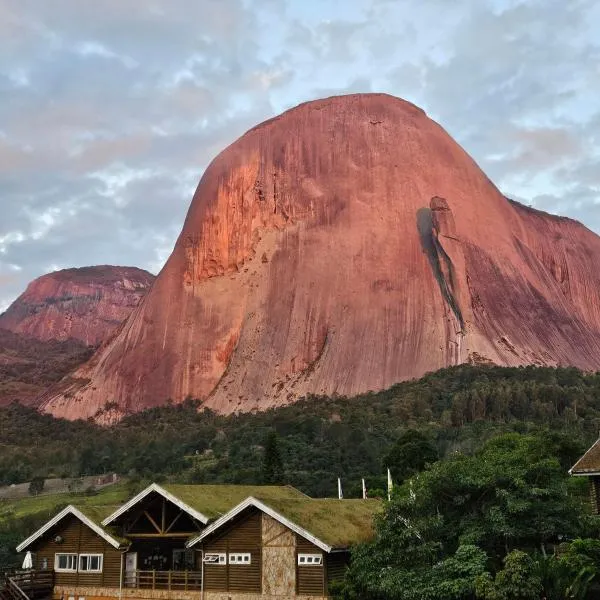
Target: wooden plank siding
[595, 494]
[335, 567]
[310, 580]
[243, 535]
[78, 538]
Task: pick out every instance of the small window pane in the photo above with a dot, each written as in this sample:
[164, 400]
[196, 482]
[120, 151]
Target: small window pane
[217, 558]
[66, 562]
[90, 563]
[311, 560]
[240, 558]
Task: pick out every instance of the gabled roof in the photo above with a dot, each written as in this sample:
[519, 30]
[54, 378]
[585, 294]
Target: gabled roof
[330, 524]
[589, 463]
[91, 519]
[206, 502]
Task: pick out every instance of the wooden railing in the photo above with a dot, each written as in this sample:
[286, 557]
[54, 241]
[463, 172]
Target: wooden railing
[164, 580]
[29, 585]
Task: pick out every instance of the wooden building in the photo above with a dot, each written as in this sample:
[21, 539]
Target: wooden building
[282, 548]
[77, 549]
[589, 466]
[185, 542]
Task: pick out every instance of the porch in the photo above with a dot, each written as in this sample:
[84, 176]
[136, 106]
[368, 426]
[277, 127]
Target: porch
[182, 581]
[27, 585]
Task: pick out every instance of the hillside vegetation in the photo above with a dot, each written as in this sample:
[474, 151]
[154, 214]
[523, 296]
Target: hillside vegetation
[318, 439]
[462, 444]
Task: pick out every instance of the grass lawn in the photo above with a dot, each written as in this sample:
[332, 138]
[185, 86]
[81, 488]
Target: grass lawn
[109, 496]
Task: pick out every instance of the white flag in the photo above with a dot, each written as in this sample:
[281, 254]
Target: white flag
[364, 490]
[390, 485]
[340, 494]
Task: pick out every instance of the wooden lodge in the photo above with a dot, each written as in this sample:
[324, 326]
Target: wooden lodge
[589, 466]
[189, 542]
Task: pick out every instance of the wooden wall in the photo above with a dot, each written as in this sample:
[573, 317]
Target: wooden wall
[78, 539]
[274, 550]
[595, 494]
[242, 535]
[310, 580]
[335, 566]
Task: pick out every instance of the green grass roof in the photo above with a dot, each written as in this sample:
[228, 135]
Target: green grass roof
[215, 500]
[337, 523]
[589, 463]
[97, 514]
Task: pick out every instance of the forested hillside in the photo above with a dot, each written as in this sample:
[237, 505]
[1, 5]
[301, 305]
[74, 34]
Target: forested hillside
[317, 439]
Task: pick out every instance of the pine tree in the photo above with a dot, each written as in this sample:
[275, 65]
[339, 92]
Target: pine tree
[272, 467]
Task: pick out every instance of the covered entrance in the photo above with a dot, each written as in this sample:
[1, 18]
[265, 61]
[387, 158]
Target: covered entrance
[158, 528]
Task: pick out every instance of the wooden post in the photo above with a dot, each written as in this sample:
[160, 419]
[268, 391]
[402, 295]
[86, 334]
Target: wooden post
[153, 579]
[186, 580]
[169, 584]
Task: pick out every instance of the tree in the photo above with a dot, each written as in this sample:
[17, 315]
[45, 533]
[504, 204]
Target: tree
[410, 454]
[447, 524]
[518, 580]
[272, 466]
[36, 486]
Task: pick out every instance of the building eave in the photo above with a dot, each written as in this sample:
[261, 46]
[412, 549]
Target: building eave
[69, 510]
[154, 487]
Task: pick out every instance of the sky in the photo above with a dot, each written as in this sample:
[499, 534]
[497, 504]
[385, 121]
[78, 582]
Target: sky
[110, 110]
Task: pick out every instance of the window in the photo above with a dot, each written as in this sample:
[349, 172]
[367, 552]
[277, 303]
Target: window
[44, 564]
[65, 563]
[90, 563]
[183, 560]
[310, 560]
[239, 558]
[215, 558]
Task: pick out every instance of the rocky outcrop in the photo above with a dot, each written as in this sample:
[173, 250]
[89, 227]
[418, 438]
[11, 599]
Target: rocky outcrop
[86, 304]
[342, 247]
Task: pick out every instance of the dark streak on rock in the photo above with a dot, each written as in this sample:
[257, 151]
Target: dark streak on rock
[436, 254]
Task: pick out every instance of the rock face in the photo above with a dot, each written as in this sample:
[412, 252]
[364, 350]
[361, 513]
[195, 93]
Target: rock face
[86, 304]
[341, 247]
[29, 366]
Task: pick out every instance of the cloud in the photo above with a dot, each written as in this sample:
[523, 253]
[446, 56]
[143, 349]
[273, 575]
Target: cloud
[110, 111]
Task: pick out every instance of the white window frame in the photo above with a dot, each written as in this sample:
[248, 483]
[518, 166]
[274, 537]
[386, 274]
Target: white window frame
[210, 556]
[57, 556]
[310, 560]
[240, 558]
[88, 555]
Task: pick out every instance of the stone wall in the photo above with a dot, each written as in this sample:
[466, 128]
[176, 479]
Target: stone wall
[97, 593]
[90, 593]
[279, 559]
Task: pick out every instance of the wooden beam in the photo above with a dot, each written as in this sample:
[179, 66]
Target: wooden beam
[162, 535]
[153, 521]
[164, 514]
[174, 521]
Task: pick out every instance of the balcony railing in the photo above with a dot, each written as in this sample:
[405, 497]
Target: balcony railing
[29, 585]
[164, 580]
